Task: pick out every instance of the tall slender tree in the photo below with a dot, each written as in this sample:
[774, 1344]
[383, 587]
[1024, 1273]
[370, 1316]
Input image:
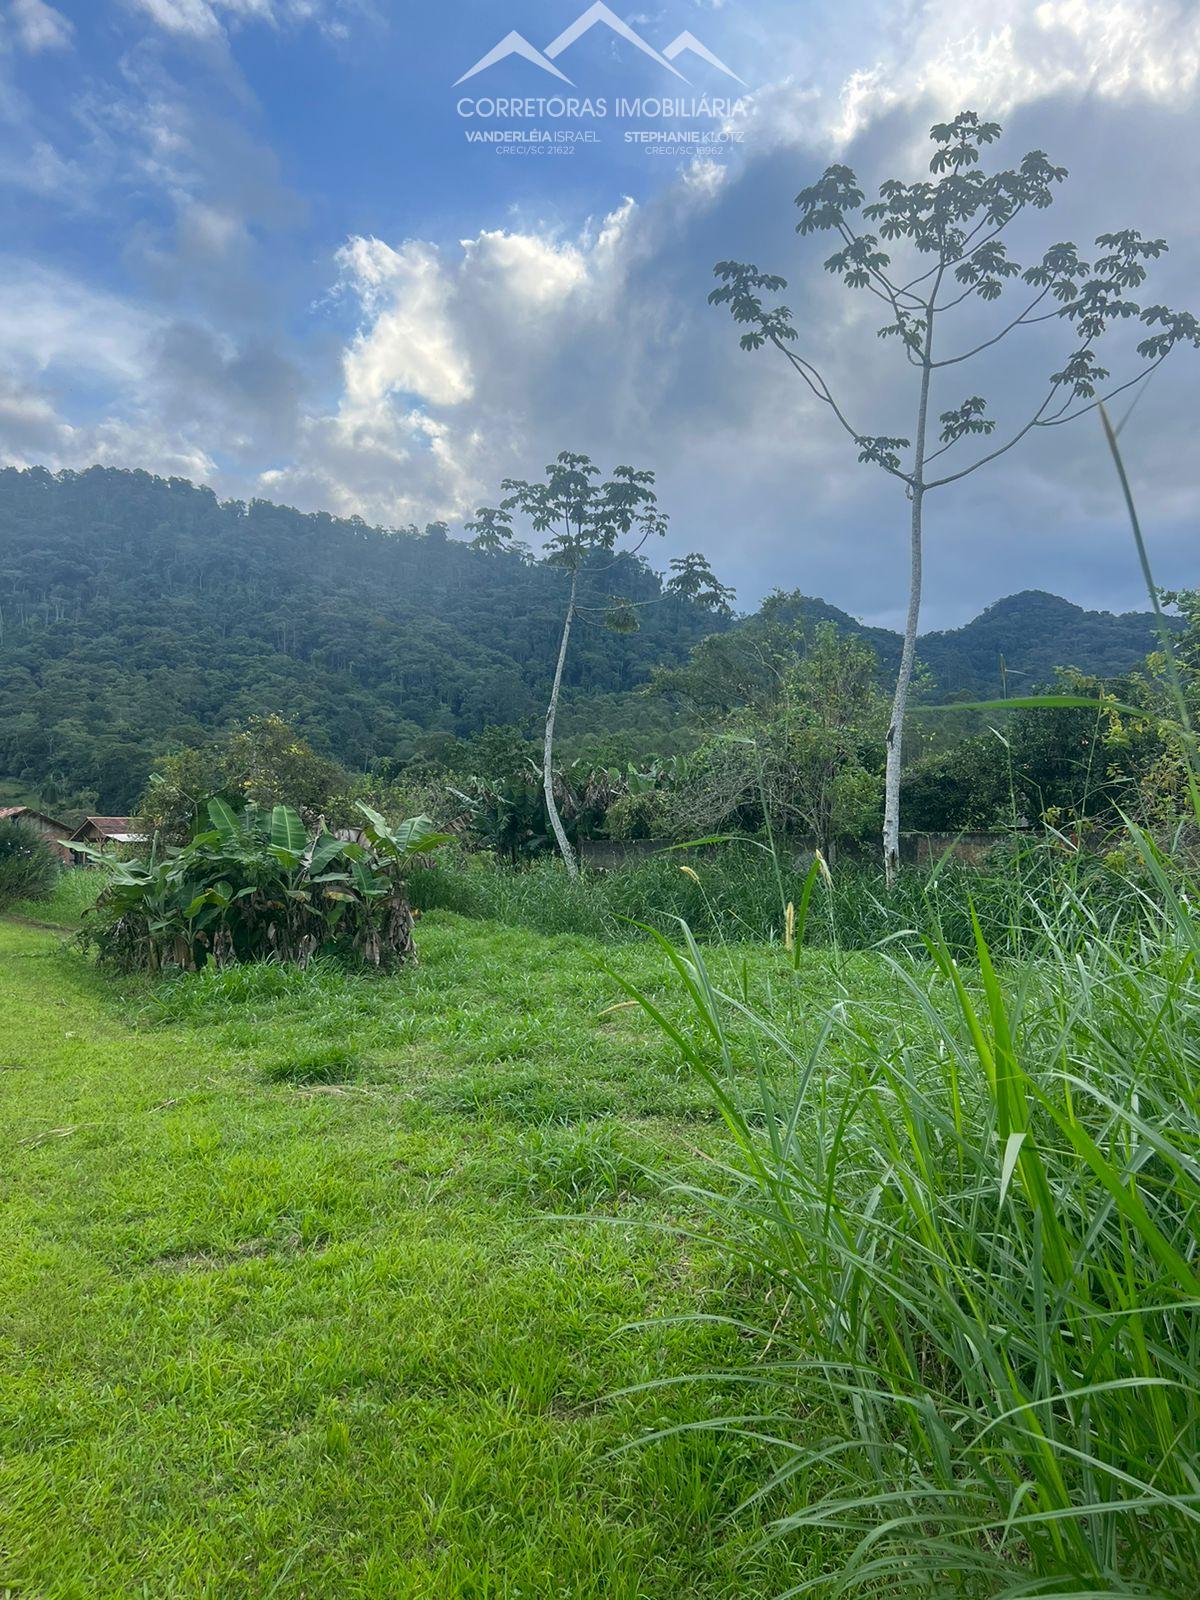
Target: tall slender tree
[951, 227]
[584, 520]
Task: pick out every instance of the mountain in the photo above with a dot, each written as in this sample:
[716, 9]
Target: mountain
[1013, 647]
[139, 613]
[1034, 633]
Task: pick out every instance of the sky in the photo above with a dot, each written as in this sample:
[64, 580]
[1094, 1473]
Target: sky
[301, 249]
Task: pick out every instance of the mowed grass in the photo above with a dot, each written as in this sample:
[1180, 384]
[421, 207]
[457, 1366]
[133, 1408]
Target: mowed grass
[325, 1286]
[73, 893]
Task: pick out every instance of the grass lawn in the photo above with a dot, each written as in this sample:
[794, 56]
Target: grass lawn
[294, 1302]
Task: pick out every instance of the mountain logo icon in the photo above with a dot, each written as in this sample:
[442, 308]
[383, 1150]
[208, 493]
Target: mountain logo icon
[597, 15]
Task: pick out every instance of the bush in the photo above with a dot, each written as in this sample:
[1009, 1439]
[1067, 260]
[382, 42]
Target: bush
[645, 814]
[258, 887]
[29, 867]
[255, 764]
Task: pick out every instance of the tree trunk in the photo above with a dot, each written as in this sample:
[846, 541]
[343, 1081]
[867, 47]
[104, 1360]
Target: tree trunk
[895, 733]
[560, 835]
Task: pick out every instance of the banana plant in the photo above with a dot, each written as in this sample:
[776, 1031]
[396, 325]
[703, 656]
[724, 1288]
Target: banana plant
[415, 837]
[256, 885]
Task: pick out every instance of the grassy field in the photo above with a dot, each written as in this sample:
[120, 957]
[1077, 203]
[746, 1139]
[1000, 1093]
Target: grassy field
[299, 1298]
[572, 1268]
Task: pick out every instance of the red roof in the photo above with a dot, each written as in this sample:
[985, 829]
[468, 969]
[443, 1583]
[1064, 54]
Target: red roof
[8, 812]
[112, 827]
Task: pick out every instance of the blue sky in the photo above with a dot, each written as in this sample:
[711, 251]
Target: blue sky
[248, 241]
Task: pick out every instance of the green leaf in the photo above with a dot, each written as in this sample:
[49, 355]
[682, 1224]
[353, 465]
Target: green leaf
[1012, 1150]
[96, 851]
[287, 831]
[224, 820]
[414, 837]
[418, 837]
[373, 817]
[326, 848]
[365, 880]
[1035, 702]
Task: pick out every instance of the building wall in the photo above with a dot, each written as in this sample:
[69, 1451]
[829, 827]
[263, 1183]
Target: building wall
[973, 848]
[56, 834]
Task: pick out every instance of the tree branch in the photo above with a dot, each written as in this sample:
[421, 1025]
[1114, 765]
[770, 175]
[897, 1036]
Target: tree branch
[953, 477]
[890, 289]
[1017, 322]
[808, 372]
[952, 261]
[1101, 400]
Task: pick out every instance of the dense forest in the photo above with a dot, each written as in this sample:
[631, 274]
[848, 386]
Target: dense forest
[139, 614]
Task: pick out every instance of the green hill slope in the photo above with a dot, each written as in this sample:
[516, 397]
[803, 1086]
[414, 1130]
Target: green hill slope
[138, 613]
[1024, 638]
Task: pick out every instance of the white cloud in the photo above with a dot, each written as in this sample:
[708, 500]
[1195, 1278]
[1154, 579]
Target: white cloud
[450, 349]
[51, 322]
[38, 26]
[529, 272]
[33, 433]
[172, 397]
[705, 177]
[195, 18]
[141, 442]
[409, 344]
[154, 136]
[1003, 55]
[208, 19]
[55, 330]
[40, 169]
[829, 82]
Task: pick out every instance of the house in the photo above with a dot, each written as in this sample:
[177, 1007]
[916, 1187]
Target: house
[54, 832]
[108, 832]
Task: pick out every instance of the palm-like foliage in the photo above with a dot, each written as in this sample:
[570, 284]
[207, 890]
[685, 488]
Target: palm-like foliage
[257, 885]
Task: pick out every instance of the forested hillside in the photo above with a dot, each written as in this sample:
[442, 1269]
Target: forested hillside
[138, 614]
[1015, 644]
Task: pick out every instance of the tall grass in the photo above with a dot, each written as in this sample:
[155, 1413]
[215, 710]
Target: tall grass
[977, 1200]
[980, 1206]
[29, 868]
[737, 893]
[71, 896]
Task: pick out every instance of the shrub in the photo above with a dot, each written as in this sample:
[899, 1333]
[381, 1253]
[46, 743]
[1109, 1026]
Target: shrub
[258, 887]
[645, 814]
[28, 866]
[253, 765]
